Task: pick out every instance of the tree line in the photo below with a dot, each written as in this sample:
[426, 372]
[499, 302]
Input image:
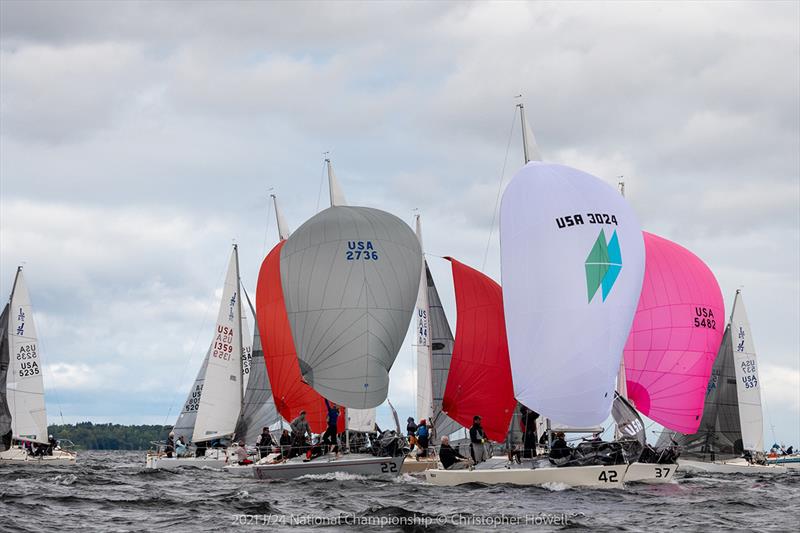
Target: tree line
[89, 436]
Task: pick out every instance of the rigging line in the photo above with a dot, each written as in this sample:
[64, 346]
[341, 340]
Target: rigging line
[499, 189]
[196, 339]
[321, 181]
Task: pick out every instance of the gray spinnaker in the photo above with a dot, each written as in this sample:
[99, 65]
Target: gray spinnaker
[184, 426]
[441, 353]
[629, 423]
[719, 436]
[350, 278]
[5, 412]
[259, 408]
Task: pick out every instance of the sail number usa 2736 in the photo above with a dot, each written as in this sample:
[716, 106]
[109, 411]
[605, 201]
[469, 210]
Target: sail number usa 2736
[361, 251]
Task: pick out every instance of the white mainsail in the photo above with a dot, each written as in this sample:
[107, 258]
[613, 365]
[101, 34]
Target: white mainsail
[336, 194]
[748, 385]
[25, 388]
[223, 390]
[422, 342]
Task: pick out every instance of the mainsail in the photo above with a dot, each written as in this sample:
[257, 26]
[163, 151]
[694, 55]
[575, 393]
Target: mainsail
[349, 277]
[676, 333]
[24, 385]
[748, 385]
[422, 341]
[184, 426]
[258, 410]
[5, 412]
[223, 389]
[572, 266]
[479, 381]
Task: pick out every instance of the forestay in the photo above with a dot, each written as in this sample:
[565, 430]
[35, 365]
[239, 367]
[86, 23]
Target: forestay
[572, 267]
[350, 276]
[24, 385]
[222, 391]
[676, 334]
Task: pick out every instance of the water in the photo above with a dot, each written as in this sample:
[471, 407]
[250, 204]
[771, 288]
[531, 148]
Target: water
[111, 491]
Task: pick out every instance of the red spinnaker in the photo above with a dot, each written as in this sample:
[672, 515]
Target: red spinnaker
[290, 393]
[479, 381]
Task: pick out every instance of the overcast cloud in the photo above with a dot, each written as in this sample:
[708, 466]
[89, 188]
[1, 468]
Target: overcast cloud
[137, 140]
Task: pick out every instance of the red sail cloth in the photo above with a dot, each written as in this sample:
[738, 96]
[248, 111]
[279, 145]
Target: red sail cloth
[290, 393]
[479, 381]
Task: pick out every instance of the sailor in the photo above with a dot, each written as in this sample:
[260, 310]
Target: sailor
[170, 446]
[411, 432]
[285, 443]
[53, 444]
[477, 438]
[300, 429]
[422, 438]
[240, 452]
[181, 448]
[528, 423]
[265, 442]
[329, 437]
[559, 448]
[450, 458]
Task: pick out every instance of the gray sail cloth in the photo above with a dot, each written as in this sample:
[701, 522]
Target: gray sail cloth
[184, 426]
[350, 279]
[628, 421]
[259, 408]
[719, 436]
[5, 412]
[441, 353]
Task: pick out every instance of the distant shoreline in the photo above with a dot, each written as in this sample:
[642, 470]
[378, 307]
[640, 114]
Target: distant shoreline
[109, 436]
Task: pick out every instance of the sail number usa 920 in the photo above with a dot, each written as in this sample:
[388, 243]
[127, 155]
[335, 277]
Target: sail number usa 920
[361, 251]
[589, 218]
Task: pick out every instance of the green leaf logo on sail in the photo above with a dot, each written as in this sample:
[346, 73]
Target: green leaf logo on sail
[603, 265]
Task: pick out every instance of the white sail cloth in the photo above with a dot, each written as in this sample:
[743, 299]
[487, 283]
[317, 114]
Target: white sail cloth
[350, 276]
[572, 268]
[24, 386]
[748, 385]
[361, 419]
[422, 342]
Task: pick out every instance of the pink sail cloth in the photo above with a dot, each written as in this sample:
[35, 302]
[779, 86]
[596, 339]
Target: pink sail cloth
[676, 333]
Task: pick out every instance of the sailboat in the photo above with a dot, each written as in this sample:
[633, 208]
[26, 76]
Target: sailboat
[23, 415]
[729, 437]
[338, 296]
[676, 333]
[217, 399]
[433, 344]
[569, 301]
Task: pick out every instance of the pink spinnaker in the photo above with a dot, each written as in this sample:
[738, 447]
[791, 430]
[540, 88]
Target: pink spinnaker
[676, 333]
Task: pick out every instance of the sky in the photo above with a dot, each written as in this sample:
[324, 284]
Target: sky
[138, 140]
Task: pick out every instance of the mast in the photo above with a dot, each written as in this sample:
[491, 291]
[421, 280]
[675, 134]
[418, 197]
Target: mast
[283, 228]
[529, 148]
[14, 286]
[239, 328]
[336, 194]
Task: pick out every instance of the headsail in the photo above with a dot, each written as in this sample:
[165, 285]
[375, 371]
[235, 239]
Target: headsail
[479, 381]
[5, 412]
[361, 419]
[259, 408]
[24, 385]
[572, 264]
[748, 385]
[221, 398]
[676, 333]
[350, 276]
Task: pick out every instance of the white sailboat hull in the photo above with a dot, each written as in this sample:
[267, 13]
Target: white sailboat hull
[572, 476]
[650, 473]
[212, 459]
[358, 464]
[18, 456]
[789, 461]
[412, 466]
[733, 466]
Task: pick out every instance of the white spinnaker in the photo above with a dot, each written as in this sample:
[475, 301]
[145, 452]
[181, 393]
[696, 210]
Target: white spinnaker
[565, 340]
[221, 398]
[422, 341]
[25, 388]
[748, 385]
[361, 419]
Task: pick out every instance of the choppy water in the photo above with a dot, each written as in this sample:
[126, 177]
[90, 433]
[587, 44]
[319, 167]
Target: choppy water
[111, 491]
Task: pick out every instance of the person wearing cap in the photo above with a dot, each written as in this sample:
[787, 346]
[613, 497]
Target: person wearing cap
[264, 442]
[411, 432]
[240, 453]
[477, 438]
[181, 448]
[559, 448]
